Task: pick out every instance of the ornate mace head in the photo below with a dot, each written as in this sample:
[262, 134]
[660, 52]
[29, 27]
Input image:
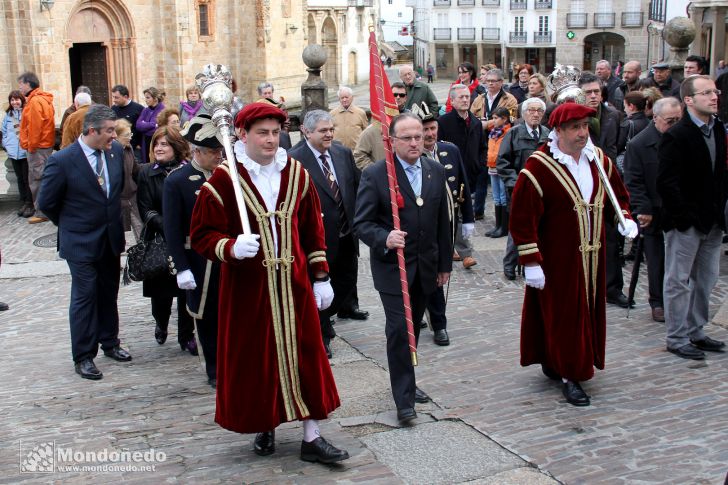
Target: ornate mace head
[563, 82]
[214, 83]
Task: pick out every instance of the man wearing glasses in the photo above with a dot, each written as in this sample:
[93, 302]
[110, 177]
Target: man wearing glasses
[640, 177]
[424, 235]
[417, 91]
[691, 180]
[370, 147]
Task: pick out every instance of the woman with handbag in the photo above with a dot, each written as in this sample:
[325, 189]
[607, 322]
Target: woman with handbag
[169, 151]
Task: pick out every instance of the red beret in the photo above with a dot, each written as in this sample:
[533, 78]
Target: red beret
[570, 111]
[257, 111]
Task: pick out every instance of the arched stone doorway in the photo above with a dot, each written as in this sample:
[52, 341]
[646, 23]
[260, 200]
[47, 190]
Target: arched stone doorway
[329, 40]
[101, 47]
[604, 45]
[352, 69]
[311, 30]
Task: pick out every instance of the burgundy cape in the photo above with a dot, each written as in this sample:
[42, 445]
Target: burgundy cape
[563, 326]
[271, 363]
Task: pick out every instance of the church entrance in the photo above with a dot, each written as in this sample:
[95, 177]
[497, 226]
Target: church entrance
[88, 63]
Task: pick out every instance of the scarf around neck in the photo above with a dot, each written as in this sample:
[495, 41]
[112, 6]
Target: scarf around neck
[191, 109]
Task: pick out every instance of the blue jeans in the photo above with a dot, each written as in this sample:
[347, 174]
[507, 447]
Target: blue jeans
[481, 191]
[498, 190]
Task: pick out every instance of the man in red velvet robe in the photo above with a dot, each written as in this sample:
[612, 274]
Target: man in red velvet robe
[271, 363]
[558, 211]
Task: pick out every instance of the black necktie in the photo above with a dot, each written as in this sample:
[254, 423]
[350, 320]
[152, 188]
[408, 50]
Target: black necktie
[534, 134]
[343, 222]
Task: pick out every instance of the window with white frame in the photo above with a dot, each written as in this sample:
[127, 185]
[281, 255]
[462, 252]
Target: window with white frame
[518, 24]
[543, 23]
[466, 20]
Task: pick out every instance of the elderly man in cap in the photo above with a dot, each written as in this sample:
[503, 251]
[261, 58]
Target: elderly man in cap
[558, 211]
[272, 363]
[196, 275]
[662, 80]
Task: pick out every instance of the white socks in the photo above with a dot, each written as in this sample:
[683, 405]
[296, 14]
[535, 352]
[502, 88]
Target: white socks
[310, 430]
[564, 380]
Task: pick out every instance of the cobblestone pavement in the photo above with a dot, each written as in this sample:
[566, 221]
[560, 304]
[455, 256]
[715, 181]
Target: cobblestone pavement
[655, 418]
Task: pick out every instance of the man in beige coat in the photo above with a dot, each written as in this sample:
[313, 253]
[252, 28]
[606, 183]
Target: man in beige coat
[370, 147]
[349, 120]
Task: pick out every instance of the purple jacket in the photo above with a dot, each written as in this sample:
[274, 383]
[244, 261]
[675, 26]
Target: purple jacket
[147, 122]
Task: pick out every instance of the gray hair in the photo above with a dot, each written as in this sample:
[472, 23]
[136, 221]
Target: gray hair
[313, 118]
[262, 86]
[604, 61]
[495, 72]
[529, 101]
[82, 99]
[456, 87]
[95, 117]
[346, 90]
[83, 89]
[662, 103]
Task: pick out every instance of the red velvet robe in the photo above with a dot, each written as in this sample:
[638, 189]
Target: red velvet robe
[563, 326]
[271, 363]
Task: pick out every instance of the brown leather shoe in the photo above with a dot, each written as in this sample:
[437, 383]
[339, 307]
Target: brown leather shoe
[37, 220]
[456, 256]
[469, 262]
[658, 314]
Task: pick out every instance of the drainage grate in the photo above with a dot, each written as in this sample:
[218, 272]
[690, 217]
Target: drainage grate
[49, 241]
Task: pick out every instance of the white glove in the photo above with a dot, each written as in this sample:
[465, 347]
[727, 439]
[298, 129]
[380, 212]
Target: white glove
[535, 277]
[467, 230]
[324, 294]
[246, 246]
[630, 230]
[186, 280]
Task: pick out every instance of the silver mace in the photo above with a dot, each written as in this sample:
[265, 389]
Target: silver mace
[610, 193]
[214, 83]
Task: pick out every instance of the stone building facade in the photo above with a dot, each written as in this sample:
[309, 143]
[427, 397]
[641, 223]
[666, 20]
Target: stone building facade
[142, 43]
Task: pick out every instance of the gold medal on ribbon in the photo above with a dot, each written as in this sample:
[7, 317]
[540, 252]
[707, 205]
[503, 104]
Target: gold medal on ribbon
[419, 201]
[332, 178]
[101, 180]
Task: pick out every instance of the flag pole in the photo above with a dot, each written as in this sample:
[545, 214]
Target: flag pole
[383, 108]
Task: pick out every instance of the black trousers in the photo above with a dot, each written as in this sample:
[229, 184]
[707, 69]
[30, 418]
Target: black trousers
[93, 312]
[437, 306]
[343, 268]
[654, 246]
[207, 332]
[162, 310]
[615, 280]
[20, 166]
[401, 370]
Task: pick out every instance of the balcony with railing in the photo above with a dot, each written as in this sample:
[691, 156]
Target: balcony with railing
[519, 5]
[466, 33]
[604, 20]
[441, 3]
[657, 10]
[491, 3]
[518, 37]
[441, 34]
[490, 33]
[633, 19]
[542, 37]
[466, 3]
[576, 20]
[361, 3]
[542, 4]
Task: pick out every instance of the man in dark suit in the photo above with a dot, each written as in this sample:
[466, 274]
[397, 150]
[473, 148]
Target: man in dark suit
[197, 275]
[640, 178]
[424, 235]
[448, 156]
[336, 179]
[81, 193]
[691, 180]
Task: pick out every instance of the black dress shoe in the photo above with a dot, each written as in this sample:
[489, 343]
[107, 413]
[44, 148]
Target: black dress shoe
[4, 307]
[405, 415]
[620, 300]
[550, 373]
[423, 324]
[354, 314]
[575, 395]
[265, 443]
[160, 334]
[420, 396]
[441, 337]
[688, 351]
[322, 451]
[88, 370]
[190, 346]
[509, 273]
[117, 353]
[329, 354]
[709, 344]
[213, 382]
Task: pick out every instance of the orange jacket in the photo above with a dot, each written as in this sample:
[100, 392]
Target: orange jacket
[494, 146]
[38, 125]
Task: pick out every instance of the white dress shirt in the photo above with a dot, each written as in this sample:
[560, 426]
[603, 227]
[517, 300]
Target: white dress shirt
[91, 158]
[317, 155]
[580, 169]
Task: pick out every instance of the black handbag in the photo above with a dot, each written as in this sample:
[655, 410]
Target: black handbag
[146, 259]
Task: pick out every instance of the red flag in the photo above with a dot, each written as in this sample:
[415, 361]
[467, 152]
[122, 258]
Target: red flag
[383, 109]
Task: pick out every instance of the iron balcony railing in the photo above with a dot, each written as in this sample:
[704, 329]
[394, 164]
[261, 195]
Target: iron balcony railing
[576, 20]
[441, 34]
[604, 20]
[491, 3]
[466, 3]
[542, 37]
[542, 4]
[490, 33]
[441, 3]
[518, 37]
[466, 33]
[632, 19]
[519, 5]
